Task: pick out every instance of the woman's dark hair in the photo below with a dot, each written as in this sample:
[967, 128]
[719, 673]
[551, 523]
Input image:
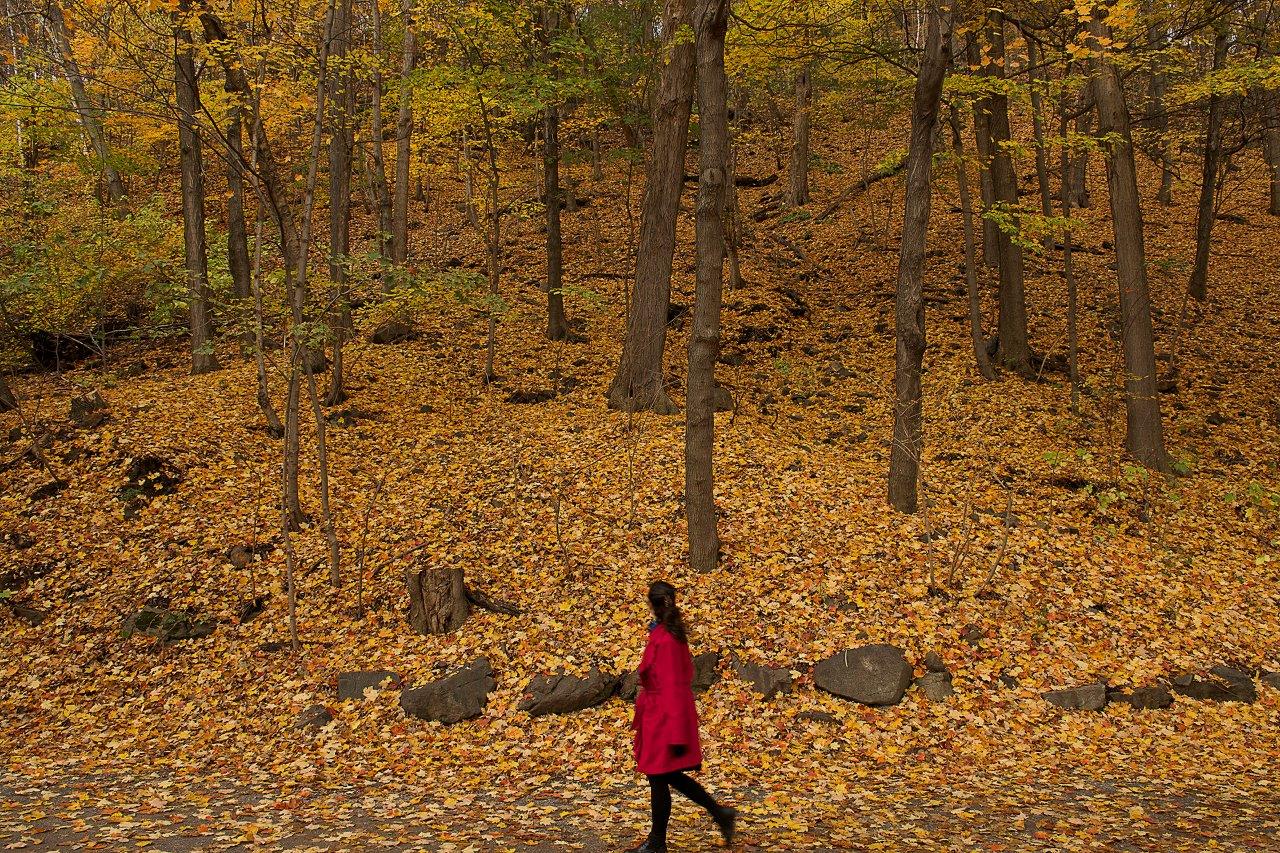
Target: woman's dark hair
[662, 598]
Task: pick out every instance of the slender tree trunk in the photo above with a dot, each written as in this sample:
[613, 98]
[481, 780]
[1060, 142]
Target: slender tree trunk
[1157, 116]
[733, 225]
[322, 458]
[638, 383]
[85, 111]
[341, 144]
[982, 143]
[1145, 439]
[1042, 147]
[1271, 149]
[800, 122]
[557, 326]
[378, 172]
[187, 95]
[710, 20]
[908, 440]
[8, 402]
[404, 135]
[1198, 286]
[1013, 352]
[1080, 163]
[1068, 266]
[970, 253]
[237, 232]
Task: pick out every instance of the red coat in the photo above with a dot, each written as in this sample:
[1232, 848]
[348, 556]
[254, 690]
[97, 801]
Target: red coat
[666, 716]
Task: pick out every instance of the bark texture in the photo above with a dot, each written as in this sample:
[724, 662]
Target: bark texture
[904, 456]
[437, 598]
[710, 23]
[800, 123]
[1198, 286]
[637, 385]
[404, 133]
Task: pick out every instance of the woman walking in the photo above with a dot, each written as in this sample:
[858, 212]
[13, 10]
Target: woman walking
[666, 723]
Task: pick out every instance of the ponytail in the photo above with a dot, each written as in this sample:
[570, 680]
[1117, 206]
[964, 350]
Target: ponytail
[662, 598]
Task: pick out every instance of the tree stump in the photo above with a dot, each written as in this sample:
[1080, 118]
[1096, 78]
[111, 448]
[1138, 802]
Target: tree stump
[437, 598]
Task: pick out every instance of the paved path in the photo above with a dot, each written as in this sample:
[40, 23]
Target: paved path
[159, 812]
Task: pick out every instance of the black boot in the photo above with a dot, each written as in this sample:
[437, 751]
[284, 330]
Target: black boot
[650, 846]
[727, 819]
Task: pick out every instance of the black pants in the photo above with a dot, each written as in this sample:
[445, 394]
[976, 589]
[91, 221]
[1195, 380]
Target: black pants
[660, 800]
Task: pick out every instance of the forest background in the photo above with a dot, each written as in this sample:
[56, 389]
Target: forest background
[386, 338]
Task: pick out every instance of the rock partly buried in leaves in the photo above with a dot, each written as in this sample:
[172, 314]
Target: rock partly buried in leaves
[564, 694]
[313, 717]
[934, 663]
[1271, 679]
[1088, 697]
[391, 332]
[352, 685]
[1229, 685]
[164, 624]
[706, 671]
[768, 681]
[873, 675]
[1142, 698]
[88, 410]
[936, 686]
[629, 686]
[454, 698]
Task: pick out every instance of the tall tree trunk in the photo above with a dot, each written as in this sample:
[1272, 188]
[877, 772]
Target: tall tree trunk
[1080, 163]
[1013, 352]
[341, 144]
[710, 21]
[1036, 77]
[800, 122]
[1157, 118]
[908, 444]
[637, 385]
[237, 232]
[85, 111]
[1145, 439]
[404, 135]
[1271, 150]
[982, 143]
[378, 172]
[187, 96]
[1198, 286]
[970, 252]
[1065, 168]
[557, 326]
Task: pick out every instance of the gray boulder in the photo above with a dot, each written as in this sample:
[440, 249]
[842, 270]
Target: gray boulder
[936, 686]
[873, 675]
[167, 625]
[1142, 698]
[1239, 688]
[629, 686]
[313, 717]
[1088, 697]
[351, 685]
[768, 681]
[1271, 679]
[564, 694]
[454, 698]
[934, 663]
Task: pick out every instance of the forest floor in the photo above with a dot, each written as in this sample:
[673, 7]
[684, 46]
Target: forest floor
[569, 510]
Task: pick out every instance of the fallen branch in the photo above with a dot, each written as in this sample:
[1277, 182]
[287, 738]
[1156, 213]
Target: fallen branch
[860, 187]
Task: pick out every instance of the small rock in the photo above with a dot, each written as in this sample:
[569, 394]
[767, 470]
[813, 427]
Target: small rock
[454, 698]
[1143, 698]
[564, 694]
[629, 686]
[836, 370]
[706, 671]
[135, 369]
[934, 663]
[768, 681]
[1007, 680]
[33, 616]
[1206, 690]
[313, 717]
[971, 634]
[873, 675]
[722, 400]
[1089, 697]
[936, 686]
[391, 332]
[88, 410]
[47, 490]
[251, 609]
[169, 625]
[817, 717]
[1271, 679]
[351, 685]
